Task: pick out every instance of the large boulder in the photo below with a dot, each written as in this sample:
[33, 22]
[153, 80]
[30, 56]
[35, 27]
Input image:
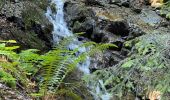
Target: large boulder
[111, 23]
[25, 22]
[101, 26]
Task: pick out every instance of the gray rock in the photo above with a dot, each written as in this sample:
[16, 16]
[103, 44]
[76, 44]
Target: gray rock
[12, 9]
[110, 24]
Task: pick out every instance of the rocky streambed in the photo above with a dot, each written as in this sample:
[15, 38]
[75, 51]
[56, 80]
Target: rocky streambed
[140, 32]
[112, 22]
[124, 23]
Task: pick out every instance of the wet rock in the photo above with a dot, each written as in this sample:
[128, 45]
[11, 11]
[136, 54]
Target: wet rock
[87, 26]
[107, 59]
[99, 25]
[150, 17]
[43, 33]
[75, 11]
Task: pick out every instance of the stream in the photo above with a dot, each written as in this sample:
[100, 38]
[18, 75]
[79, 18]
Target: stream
[45, 40]
[61, 31]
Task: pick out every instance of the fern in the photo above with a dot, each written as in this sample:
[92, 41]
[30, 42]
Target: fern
[10, 64]
[146, 68]
[7, 79]
[165, 10]
[60, 61]
[17, 67]
[55, 65]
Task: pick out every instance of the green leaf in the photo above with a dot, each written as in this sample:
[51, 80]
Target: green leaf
[128, 64]
[2, 45]
[8, 41]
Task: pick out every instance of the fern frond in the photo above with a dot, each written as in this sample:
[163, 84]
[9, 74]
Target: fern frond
[100, 48]
[8, 41]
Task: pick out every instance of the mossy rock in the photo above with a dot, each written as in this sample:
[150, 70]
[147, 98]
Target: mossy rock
[34, 12]
[25, 22]
[53, 8]
[28, 39]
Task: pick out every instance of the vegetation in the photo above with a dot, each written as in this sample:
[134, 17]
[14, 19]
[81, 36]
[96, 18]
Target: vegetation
[21, 68]
[166, 9]
[34, 12]
[145, 70]
[11, 71]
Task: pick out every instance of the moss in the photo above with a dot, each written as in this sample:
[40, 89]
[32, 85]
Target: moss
[30, 16]
[28, 39]
[23, 21]
[34, 12]
[53, 8]
[43, 4]
[35, 41]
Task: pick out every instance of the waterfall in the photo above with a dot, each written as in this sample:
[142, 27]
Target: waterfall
[61, 31]
[57, 19]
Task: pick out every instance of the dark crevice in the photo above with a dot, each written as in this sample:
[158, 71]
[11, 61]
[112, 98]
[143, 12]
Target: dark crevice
[119, 28]
[19, 22]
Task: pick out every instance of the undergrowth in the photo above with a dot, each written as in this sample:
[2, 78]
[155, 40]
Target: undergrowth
[165, 10]
[29, 70]
[146, 69]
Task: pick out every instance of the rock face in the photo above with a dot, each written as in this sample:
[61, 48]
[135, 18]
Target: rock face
[115, 21]
[25, 22]
[105, 21]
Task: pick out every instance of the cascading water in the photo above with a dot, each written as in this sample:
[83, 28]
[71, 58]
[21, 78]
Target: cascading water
[57, 19]
[61, 31]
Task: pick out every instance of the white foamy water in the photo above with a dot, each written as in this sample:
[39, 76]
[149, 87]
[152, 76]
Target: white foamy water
[61, 31]
[57, 19]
